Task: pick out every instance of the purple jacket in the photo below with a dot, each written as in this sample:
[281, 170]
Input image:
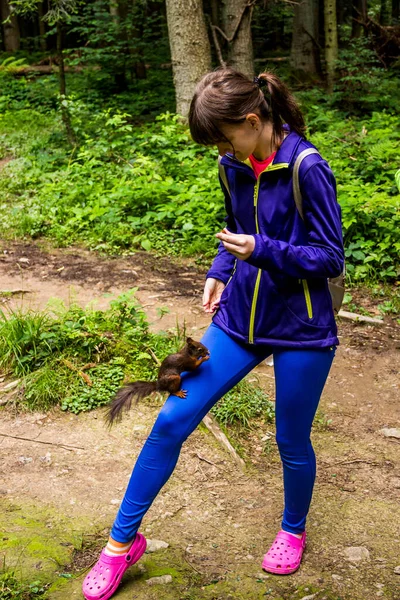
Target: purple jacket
[279, 295]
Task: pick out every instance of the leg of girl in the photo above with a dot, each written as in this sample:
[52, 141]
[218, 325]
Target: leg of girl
[300, 378]
[229, 362]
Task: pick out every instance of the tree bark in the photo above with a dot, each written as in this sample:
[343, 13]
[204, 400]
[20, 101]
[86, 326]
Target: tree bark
[240, 49]
[63, 89]
[359, 15]
[11, 35]
[190, 48]
[331, 42]
[304, 55]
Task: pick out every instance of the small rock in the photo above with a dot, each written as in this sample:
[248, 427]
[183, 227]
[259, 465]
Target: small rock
[397, 570]
[24, 260]
[308, 597]
[337, 577]
[391, 432]
[356, 553]
[159, 580]
[154, 545]
[262, 576]
[23, 460]
[46, 458]
[115, 501]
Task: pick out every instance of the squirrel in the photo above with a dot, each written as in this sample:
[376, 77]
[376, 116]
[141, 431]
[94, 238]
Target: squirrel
[192, 355]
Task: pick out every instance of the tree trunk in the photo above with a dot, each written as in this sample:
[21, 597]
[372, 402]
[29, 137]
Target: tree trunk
[190, 48]
[63, 89]
[386, 12]
[304, 55]
[236, 23]
[359, 15]
[11, 36]
[331, 42]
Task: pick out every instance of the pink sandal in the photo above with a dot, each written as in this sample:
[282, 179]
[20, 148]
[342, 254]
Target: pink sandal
[106, 575]
[284, 556]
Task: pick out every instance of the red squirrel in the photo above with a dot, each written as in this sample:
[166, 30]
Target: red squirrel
[192, 355]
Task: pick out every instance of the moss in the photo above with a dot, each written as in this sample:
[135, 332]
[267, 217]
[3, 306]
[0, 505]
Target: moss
[37, 540]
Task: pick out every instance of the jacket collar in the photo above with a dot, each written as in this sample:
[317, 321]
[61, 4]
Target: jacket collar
[284, 158]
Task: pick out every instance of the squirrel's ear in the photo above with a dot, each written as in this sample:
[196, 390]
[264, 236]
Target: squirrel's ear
[189, 340]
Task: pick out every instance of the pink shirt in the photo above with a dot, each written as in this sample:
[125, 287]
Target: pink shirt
[260, 165]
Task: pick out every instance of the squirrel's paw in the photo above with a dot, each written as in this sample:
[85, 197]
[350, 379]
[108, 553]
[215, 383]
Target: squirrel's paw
[181, 393]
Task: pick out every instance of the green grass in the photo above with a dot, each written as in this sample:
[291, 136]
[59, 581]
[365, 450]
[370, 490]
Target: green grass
[13, 589]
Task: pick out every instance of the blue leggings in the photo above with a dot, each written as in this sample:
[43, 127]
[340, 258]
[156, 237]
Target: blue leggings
[300, 376]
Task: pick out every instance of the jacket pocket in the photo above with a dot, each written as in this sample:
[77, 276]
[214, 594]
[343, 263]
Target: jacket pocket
[307, 297]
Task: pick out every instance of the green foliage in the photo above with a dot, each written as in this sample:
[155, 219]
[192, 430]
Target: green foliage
[106, 379]
[130, 185]
[362, 83]
[12, 589]
[244, 403]
[78, 357]
[363, 154]
[120, 43]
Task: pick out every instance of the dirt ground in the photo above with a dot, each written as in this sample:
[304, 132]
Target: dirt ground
[59, 498]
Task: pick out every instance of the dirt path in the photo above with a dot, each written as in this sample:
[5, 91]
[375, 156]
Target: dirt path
[218, 521]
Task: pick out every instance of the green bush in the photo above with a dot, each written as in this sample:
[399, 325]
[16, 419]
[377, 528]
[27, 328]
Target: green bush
[128, 186]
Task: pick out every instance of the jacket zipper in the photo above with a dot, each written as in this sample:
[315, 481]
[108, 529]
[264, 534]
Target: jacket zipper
[271, 167]
[258, 278]
[232, 274]
[307, 296]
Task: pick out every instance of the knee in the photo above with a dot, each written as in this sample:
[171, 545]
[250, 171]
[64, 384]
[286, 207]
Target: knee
[293, 450]
[169, 426]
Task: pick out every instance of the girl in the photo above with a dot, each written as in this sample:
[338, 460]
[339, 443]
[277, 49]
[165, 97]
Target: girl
[268, 290]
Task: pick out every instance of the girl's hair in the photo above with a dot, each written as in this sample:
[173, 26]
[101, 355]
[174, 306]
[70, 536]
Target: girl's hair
[226, 96]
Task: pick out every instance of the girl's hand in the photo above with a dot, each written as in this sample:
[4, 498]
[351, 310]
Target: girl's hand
[212, 293]
[238, 244]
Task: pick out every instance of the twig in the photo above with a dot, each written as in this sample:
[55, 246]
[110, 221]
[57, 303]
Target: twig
[65, 446]
[80, 372]
[154, 357]
[204, 459]
[217, 46]
[212, 426]
[194, 568]
[349, 462]
[249, 4]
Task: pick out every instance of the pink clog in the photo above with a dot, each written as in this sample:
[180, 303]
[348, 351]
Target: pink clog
[284, 556]
[106, 575]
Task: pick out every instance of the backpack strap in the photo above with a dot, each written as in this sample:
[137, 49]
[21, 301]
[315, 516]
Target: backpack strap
[336, 284]
[296, 183]
[223, 176]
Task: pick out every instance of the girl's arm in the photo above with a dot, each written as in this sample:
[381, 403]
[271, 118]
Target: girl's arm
[323, 256]
[223, 263]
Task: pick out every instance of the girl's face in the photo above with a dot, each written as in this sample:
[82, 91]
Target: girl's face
[244, 138]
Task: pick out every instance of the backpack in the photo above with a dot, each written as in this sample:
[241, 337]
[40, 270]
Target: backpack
[336, 284]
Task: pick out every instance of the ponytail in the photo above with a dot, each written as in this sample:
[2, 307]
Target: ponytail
[282, 105]
[226, 96]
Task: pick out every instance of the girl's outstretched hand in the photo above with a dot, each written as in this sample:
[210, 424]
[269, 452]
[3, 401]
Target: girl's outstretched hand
[212, 293]
[238, 244]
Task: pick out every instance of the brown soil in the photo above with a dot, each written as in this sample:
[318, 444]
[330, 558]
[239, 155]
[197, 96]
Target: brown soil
[218, 521]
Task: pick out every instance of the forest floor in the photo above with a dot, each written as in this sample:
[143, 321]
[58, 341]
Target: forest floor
[59, 500]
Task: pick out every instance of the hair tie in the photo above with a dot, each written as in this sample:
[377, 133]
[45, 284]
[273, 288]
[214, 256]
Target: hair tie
[260, 82]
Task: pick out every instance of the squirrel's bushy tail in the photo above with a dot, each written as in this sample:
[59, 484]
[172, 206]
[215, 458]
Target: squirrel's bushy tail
[124, 397]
